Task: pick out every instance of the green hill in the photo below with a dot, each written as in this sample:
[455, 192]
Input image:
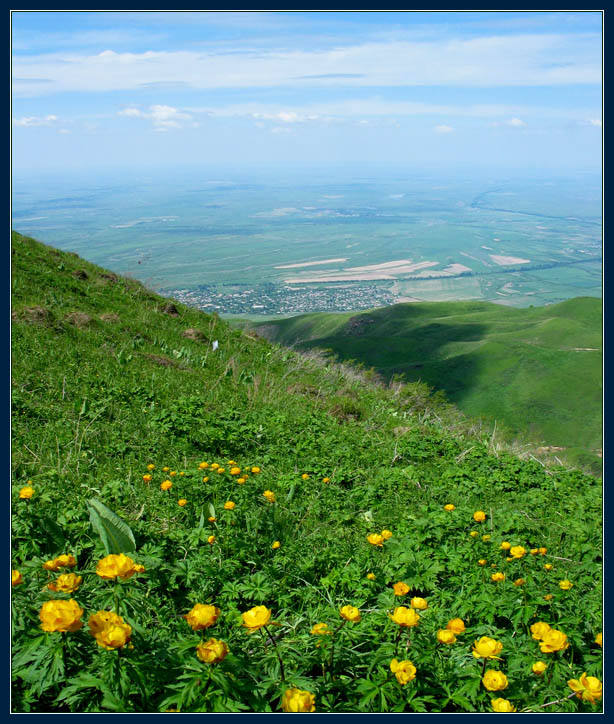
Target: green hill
[252, 489]
[536, 371]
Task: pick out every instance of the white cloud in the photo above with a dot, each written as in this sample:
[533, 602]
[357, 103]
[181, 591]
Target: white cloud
[516, 122]
[35, 120]
[503, 60]
[595, 122]
[163, 117]
[444, 129]
[130, 112]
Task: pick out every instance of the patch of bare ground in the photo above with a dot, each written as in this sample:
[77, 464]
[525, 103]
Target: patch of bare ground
[162, 361]
[356, 326]
[78, 319]
[193, 333]
[110, 317]
[80, 274]
[32, 315]
[108, 278]
[170, 309]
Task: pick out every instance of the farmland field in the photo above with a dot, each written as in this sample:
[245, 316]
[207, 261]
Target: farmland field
[271, 242]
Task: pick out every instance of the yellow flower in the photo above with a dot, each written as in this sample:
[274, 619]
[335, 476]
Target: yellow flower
[474, 534]
[386, 534]
[26, 492]
[304, 476]
[350, 613]
[419, 603]
[202, 616]
[297, 701]
[232, 462]
[215, 466]
[151, 466]
[276, 545]
[203, 466]
[486, 648]
[534, 551]
[375, 539]
[587, 688]
[543, 550]
[456, 625]
[17, 580]
[498, 577]
[61, 616]
[138, 568]
[269, 495]
[400, 588]
[229, 505]
[553, 640]
[220, 470]
[445, 636]
[165, 469]
[548, 566]
[482, 562]
[166, 485]
[256, 617]
[114, 636]
[486, 538]
[113, 566]
[405, 671]
[517, 551]
[539, 667]
[502, 705]
[321, 629]
[548, 597]
[101, 620]
[181, 502]
[599, 639]
[66, 583]
[494, 680]
[173, 473]
[206, 479]
[235, 471]
[505, 545]
[539, 629]
[405, 617]
[211, 540]
[212, 651]
[371, 576]
[520, 582]
[326, 480]
[449, 506]
[147, 478]
[479, 516]
[211, 519]
[255, 470]
[241, 480]
[565, 585]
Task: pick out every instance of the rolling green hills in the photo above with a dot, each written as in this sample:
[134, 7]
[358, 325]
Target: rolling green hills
[358, 504]
[537, 371]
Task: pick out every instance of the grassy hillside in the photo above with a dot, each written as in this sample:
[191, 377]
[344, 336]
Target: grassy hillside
[255, 490]
[537, 371]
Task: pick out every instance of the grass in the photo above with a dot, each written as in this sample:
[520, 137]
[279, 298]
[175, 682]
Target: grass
[108, 389]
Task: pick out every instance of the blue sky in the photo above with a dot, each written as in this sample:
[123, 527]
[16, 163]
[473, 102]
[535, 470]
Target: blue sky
[94, 90]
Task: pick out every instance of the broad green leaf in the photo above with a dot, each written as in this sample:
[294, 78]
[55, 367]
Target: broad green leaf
[116, 535]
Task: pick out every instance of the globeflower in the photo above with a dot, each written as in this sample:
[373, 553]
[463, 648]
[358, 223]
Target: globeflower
[587, 688]
[304, 476]
[486, 648]
[66, 583]
[326, 480]
[445, 636]
[519, 582]
[26, 492]
[182, 502]
[419, 603]
[486, 538]
[211, 540]
[548, 566]
[66, 561]
[534, 551]
[203, 466]
[256, 618]
[456, 625]
[474, 534]
[235, 471]
[255, 470]
[505, 545]
[552, 641]
[405, 617]
[539, 667]
[114, 636]
[350, 613]
[400, 588]
[212, 651]
[565, 585]
[482, 562]
[449, 507]
[517, 551]
[147, 478]
[542, 550]
[502, 705]
[599, 639]
[16, 579]
[61, 616]
[404, 671]
[202, 616]
[297, 701]
[321, 629]
[229, 505]
[151, 466]
[479, 516]
[386, 534]
[166, 485]
[102, 619]
[494, 680]
[269, 495]
[498, 577]
[371, 576]
[375, 539]
[539, 629]
[114, 566]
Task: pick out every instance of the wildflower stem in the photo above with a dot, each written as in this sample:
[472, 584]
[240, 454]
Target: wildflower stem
[281, 663]
[332, 646]
[396, 645]
[550, 703]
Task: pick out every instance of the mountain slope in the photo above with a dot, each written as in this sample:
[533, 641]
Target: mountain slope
[120, 399]
[537, 370]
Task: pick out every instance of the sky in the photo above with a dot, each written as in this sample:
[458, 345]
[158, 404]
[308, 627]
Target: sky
[138, 90]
